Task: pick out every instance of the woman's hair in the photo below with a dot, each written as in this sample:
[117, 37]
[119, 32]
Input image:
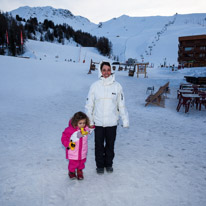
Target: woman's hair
[104, 63]
[77, 117]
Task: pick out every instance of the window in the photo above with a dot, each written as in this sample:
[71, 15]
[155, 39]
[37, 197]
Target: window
[202, 55]
[189, 48]
[188, 55]
[202, 48]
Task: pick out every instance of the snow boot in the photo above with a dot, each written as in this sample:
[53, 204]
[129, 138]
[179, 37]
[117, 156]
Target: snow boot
[72, 175]
[109, 169]
[80, 175]
[100, 170]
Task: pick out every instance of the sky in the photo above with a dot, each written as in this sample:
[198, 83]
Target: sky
[103, 10]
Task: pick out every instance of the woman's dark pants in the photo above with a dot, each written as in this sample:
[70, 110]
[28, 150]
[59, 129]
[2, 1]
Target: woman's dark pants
[104, 146]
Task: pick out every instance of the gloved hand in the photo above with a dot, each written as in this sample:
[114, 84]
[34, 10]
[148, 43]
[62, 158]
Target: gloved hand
[84, 132]
[125, 126]
[90, 129]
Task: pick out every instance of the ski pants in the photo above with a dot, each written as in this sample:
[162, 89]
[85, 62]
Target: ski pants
[76, 164]
[104, 145]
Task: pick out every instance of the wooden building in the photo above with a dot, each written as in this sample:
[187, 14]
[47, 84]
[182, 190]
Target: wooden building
[192, 51]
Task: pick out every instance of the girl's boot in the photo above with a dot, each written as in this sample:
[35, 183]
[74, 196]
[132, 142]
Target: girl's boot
[72, 175]
[80, 174]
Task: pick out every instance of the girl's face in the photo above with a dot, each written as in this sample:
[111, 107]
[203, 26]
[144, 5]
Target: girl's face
[106, 71]
[81, 123]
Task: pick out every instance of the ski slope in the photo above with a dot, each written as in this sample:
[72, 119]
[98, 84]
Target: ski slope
[152, 39]
[159, 160]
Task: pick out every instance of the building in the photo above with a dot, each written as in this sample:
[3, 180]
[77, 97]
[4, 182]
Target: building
[192, 51]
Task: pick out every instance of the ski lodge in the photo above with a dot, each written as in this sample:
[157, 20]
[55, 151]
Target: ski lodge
[192, 51]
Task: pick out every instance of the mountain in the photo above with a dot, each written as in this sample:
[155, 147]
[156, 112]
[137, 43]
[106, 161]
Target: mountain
[153, 39]
[58, 16]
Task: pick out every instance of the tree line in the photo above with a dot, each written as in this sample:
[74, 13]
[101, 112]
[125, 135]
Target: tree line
[46, 31]
[12, 35]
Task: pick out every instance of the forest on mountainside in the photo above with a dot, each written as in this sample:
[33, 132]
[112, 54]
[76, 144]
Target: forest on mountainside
[15, 31]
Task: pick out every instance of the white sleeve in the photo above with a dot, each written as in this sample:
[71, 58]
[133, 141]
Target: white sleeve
[122, 108]
[89, 107]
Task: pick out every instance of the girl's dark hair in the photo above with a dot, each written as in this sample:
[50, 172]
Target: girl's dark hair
[77, 117]
[104, 63]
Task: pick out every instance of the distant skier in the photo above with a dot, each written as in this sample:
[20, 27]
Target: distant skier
[104, 104]
[74, 138]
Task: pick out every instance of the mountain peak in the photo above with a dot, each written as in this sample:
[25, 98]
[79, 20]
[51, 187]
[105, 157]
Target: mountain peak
[46, 11]
[58, 16]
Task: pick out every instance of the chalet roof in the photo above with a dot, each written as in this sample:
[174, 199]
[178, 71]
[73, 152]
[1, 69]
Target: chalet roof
[195, 37]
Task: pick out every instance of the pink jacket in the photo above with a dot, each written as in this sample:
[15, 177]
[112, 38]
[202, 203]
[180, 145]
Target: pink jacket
[81, 147]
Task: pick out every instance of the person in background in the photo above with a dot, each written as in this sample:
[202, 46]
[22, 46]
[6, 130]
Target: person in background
[105, 102]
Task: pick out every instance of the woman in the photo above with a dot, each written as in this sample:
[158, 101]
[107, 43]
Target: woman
[104, 104]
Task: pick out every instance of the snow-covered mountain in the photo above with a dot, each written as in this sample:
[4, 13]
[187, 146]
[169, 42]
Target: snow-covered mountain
[153, 39]
[58, 16]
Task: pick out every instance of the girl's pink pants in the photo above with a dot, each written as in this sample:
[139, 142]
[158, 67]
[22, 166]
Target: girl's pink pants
[76, 164]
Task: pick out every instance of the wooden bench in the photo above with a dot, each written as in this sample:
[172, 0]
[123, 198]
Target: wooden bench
[159, 97]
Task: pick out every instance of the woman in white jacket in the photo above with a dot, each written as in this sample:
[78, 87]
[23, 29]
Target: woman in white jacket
[104, 104]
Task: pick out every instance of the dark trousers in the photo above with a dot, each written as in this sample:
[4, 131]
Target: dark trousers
[104, 145]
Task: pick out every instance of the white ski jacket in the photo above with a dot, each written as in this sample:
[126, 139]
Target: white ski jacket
[105, 102]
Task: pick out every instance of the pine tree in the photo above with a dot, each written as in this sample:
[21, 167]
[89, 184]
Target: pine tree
[104, 46]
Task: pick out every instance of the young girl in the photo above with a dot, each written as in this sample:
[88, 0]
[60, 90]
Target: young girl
[74, 138]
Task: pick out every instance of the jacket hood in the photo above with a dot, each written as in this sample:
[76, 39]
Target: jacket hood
[71, 128]
[111, 78]
[70, 125]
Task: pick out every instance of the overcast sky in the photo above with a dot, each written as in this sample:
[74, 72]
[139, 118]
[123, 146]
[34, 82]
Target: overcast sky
[102, 10]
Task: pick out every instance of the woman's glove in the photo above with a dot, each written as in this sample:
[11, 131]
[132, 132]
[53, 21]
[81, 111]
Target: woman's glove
[90, 129]
[125, 126]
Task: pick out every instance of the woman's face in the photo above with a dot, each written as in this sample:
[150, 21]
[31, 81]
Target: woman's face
[106, 71]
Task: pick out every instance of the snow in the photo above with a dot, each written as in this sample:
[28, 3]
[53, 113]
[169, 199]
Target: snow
[159, 159]
[131, 37]
[58, 53]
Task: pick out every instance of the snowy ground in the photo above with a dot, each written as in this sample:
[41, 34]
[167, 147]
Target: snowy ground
[160, 159]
